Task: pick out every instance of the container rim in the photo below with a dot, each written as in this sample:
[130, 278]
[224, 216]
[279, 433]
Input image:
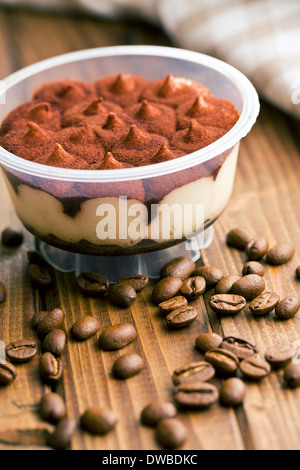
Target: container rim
[240, 130]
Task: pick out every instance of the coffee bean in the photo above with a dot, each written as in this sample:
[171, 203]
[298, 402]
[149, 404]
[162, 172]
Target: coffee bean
[50, 368]
[3, 293]
[53, 321]
[225, 285]
[8, 373]
[172, 304]
[166, 289]
[239, 347]
[233, 392]
[255, 368]
[123, 295]
[194, 371]
[117, 336]
[52, 408]
[211, 275]
[92, 284]
[12, 237]
[85, 328]
[34, 257]
[239, 238]
[156, 411]
[292, 375]
[264, 303]
[127, 366]
[225, 362]
[21, 351]
[138, 282]
[39, 276]
[60, 439]
[98, 421]
[37, 318]
[280, 254]
[249, 287]
[181, 267]
[298, 272]
[193, 287]
[253, 267]
[280, 356]
[55, 342]
[196, 395]
[256, 249]
[171, 433]
[181, 317]
[287, 308]
[227, 304]
[208, 341]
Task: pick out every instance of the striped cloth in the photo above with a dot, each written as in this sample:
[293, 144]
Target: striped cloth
[259, 37]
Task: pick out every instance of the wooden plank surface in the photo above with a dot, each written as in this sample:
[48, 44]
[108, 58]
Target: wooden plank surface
[265, 200]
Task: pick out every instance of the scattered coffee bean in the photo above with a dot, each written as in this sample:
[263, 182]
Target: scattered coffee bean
[122, 294]
[85, 328]
[225, 285]
[253, 267]
[37, 318]
[92, 284]
[193, 287]
[117, 336]
[166, 289]
[181, 317]
[172, 304]
[280, 254]
[171, 433]
[8, 373]
[156, 411]
[208, 341]
[98, 421]
[280, 356]
[255, 368]
[196, 395]
[50, 368]
[127, 366]
[264, 304]
[241, 348]
[138, 282]
[52, 408]
[55, 342]
[21, 351]
[34, 257]
[233, 392]
[60, 439]
[292, 375]
[211, 275]
[54, 320]
[3, 293]
[181, 267]
[298, 272]
[225, 362]
[249, 287]
[256, 249]
[239, 238]
[194, 371]
[39, 276]
[12, 237]
[227, 304]
[287, 308]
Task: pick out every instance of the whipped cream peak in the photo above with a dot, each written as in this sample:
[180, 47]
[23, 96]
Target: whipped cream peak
[164, 154]
[197, 108]
[113, 122]
[135, 137]
[41, 112]
[147, 111]
[83, 132]
[110, 163]
[124, 83]
[35, 134]
[195, 132]
[94, 108]
[168, 88]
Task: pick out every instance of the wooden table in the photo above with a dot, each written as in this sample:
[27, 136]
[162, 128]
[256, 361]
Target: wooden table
[265, 200]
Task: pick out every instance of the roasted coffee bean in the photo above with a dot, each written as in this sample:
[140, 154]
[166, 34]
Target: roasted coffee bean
[85, 328]
[53, 321]
[225, 285]
[60, 439]
[249, 287]
[34, 257]
[39, 276]
[55, 342]
[193, 287]
[138, 282]
[227, 304]
[196, 395]
[287, 308]
[181, 267]
[225, 362]
[92, 284]
[37, 318]
[298, 272]
[8, 373]
[171, 433]
[194, 371]
[239, 238]
[127, 366]
[253, 267]
[172, 304]
[264, 303]
[256, 249]
[156, 411]
[280, 254]
[166, 289]
[280, 356]
[239, 347]
[50, 368]
[3, 293]
[211, 275]
[21, 351]
[52, 408]
[123, 295]
[255, 368]
[208, 341]
[181, 317]
[98, 421]
[12, 237]
[292, 375]
[233, 392]
[117, 336]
